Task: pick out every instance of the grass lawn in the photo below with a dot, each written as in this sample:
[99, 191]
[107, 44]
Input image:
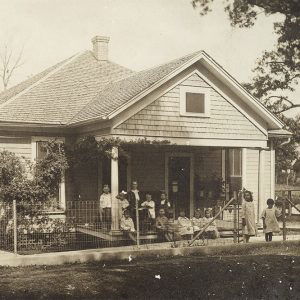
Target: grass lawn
[228, 277]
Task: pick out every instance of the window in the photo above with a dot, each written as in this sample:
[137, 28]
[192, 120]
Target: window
[58, 202]
[235, 162]
[40, 150]
[194, 101]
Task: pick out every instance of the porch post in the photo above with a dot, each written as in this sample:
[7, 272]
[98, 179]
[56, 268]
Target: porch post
[261, 188]
[114, 189]
[272, 170]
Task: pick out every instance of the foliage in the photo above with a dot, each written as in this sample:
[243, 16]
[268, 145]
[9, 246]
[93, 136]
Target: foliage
[277, 72]
[31, 185]
[279, 69]
[89, 150]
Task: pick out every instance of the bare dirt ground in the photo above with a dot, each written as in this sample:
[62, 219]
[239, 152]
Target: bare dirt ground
[273, 276]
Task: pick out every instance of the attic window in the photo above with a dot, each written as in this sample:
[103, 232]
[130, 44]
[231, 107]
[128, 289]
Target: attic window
[194, 101]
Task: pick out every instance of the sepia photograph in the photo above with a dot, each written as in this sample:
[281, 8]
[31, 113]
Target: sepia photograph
[149, 149]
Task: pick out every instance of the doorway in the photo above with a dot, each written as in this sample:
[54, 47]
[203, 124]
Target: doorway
[180, 182]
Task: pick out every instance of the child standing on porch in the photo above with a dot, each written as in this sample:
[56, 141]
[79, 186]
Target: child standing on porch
[248, 217]
[270, 223]
[105, 206]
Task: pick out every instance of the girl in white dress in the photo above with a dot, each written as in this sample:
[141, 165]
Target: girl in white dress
[270, 223]
[248, 217]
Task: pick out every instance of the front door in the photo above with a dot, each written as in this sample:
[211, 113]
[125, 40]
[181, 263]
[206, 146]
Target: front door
[179, 168]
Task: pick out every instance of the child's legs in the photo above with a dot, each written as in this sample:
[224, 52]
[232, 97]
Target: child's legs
[246, 238]
[270, 236]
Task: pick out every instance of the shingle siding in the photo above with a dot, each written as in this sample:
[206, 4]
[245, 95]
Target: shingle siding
[162, 118]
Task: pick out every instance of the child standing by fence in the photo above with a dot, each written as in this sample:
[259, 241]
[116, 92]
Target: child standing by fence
[269, 216]
[248, 217]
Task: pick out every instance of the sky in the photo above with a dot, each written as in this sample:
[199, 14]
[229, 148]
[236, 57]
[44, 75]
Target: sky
[143, 33]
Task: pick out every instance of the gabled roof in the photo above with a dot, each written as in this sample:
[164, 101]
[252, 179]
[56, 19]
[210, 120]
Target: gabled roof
[57, 94]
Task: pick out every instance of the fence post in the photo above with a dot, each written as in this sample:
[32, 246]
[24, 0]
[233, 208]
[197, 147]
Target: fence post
[137, 224]
[235, 217]
[283, 218]
[15, 227]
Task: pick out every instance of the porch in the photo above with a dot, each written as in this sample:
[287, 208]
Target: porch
[192, 177]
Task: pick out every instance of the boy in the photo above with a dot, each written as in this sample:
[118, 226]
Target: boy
[162, 226]
[105, 206]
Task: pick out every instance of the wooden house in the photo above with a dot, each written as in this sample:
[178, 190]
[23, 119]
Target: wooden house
[218, 132]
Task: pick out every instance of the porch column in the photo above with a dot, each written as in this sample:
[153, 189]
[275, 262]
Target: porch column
[114, 189]
[272, 162]
[261, 187]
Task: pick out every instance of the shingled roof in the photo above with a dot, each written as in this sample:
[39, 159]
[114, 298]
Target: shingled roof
[54, 96]
[77, 90]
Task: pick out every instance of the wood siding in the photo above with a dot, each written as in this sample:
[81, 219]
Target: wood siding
[19, 146]
[267, 176]
[162, 118]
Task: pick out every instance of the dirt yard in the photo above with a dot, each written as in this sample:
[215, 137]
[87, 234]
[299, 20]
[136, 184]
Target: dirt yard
[230, 277]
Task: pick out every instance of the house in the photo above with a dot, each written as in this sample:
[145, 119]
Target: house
[218, 131]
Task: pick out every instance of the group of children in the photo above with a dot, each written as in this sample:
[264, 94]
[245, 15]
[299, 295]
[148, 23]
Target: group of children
[163, 222]
[269, 216]
[129, 203]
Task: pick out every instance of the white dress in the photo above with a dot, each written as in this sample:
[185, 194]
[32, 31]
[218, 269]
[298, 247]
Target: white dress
[247, 212]
[185, 226]
[270, 215]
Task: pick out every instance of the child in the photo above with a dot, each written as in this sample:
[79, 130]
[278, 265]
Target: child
[162, 226]
[105, 206]
[197, 221]
[165, 203]
[149, 206]
[248, 217]
[211, 231]
[123, 203]
[127, 226]
[270, 223]
[185, 225]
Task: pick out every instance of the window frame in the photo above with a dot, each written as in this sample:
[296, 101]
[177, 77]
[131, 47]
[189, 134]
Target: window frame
[62, 187]
[195, 90]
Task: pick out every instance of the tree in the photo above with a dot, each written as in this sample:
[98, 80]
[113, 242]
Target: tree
[10, 61]
[279, 69]
[277, 72]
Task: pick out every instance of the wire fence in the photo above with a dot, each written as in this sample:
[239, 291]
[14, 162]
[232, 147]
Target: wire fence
[84, 225]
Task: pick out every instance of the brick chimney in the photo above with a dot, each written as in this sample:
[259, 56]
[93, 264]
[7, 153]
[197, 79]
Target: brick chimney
[100, 47]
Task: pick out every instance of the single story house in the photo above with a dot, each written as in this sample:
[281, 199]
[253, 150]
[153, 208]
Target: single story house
[218, 131]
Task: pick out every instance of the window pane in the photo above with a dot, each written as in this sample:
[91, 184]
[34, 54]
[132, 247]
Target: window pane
[195, 103]
[237, 162]
[40, 150]
[231, 162]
